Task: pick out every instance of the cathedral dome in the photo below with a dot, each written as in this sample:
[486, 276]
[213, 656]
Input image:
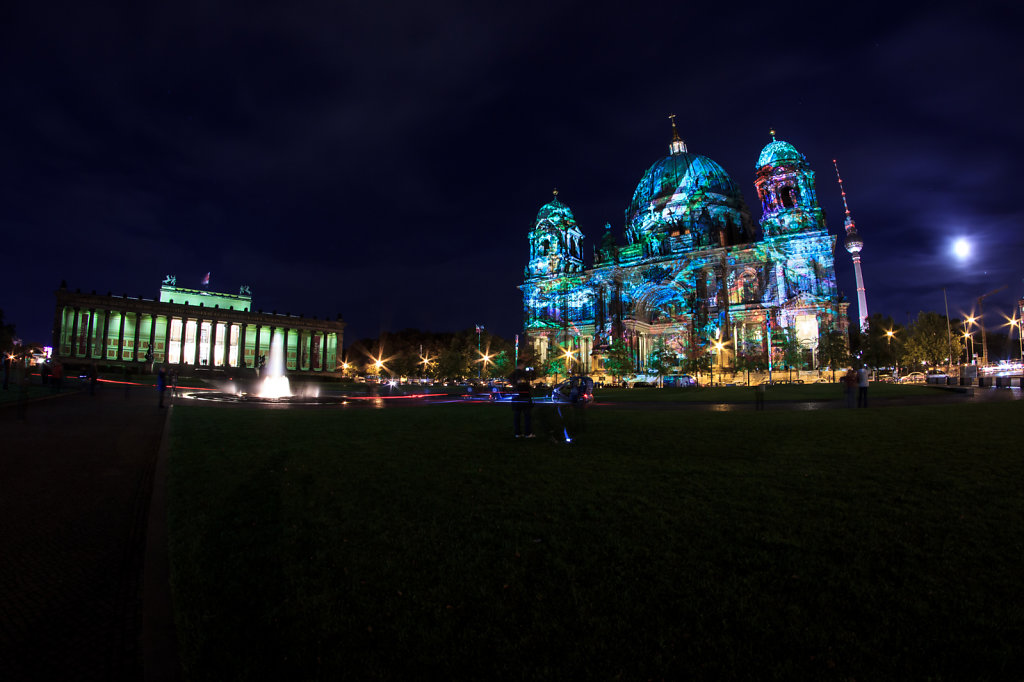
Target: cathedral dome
[778, 152]
[678, 189]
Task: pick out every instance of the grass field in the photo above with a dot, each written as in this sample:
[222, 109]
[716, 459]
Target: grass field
[426, 543]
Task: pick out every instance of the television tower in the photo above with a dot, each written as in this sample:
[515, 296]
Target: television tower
[854, 244]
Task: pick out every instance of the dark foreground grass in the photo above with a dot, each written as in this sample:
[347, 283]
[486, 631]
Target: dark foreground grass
[426, 543]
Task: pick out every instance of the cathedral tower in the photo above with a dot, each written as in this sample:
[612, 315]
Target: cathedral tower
[556, 241]
[785, 186]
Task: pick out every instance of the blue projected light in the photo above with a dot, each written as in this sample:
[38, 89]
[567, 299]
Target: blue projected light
[692, 281]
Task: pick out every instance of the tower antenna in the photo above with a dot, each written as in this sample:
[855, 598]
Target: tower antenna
[854, 244]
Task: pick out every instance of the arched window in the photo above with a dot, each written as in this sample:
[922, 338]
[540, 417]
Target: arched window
[544, 246]
[790, 197]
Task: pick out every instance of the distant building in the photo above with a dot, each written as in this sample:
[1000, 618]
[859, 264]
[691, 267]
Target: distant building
[190, 329]
[693, 279]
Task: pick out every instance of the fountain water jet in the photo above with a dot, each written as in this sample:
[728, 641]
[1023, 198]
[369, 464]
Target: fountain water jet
[275, 383]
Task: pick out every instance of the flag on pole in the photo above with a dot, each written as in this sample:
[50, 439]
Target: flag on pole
[206, 280]
[479, 328]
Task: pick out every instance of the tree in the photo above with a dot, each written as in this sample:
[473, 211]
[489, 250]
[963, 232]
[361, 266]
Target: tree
[928, 341]
[791, 350]
[500, 366]
[833, 351]
[662, 359]
[619, 360]
[877, 348]
[697, 362]
[749, 358]
[6, 335]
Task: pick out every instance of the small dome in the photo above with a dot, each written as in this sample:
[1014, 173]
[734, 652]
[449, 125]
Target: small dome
[778, 152]
[555, 211]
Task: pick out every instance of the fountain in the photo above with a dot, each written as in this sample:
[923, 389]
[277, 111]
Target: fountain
[275, 383]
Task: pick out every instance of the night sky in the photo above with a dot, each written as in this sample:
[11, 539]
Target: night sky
[385, 161]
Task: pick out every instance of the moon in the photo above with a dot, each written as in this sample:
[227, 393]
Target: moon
[962, 248]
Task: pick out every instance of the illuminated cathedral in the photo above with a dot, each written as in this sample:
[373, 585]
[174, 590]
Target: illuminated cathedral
[694, 280]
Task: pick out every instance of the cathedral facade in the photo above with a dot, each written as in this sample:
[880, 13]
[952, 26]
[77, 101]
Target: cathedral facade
[694, 281]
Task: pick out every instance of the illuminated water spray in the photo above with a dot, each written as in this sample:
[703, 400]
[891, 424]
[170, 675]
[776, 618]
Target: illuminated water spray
[275, 383]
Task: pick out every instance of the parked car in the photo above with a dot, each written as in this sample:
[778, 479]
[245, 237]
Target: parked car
[913, 378]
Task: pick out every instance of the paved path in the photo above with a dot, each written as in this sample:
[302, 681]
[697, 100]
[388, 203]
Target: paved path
[76, 480]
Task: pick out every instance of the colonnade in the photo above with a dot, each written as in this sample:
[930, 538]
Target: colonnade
[190, 336]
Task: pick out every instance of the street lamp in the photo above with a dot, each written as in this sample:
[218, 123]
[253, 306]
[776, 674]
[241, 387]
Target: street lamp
[1019, 324]
[718, 346]
[484, 359]
[569, 356]
[889, 333]
[968, 337]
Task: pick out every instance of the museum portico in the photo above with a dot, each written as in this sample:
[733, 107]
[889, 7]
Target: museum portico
[190, 329]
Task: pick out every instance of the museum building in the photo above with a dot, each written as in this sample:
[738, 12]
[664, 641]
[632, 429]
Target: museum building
[693, 279]
[189, 329]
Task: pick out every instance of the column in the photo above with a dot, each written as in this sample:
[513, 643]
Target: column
[256, 350]
[210, 347]
[120, 337]
[152, 337]
[284, 346]
[74, 334]
[241, 344]
[227, 345]
[167, 342]
[323, 353]
[88, 342]
[197, 342]
[106, 334]
[135, 341]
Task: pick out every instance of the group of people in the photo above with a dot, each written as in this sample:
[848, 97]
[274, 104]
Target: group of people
[567, 401]
[855, 382]
[163, 379]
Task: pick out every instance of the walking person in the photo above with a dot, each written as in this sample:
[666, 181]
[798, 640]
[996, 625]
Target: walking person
[56, 376]
[522, 402]
[850, 386]
[94, 377]
[161, 385]
[862, 386]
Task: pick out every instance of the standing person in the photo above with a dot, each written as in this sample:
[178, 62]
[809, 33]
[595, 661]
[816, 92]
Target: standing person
[862, 386]
[56, 376]
[174, 383]
[850, 386]
[522, 402]
[161, 385]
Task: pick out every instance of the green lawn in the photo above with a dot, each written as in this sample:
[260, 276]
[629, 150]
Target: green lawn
[426, 543]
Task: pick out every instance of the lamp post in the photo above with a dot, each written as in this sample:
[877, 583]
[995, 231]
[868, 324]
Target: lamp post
[970, 321]
[479, 328]
[1018, 323]
[718, 346]
[889, 333]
